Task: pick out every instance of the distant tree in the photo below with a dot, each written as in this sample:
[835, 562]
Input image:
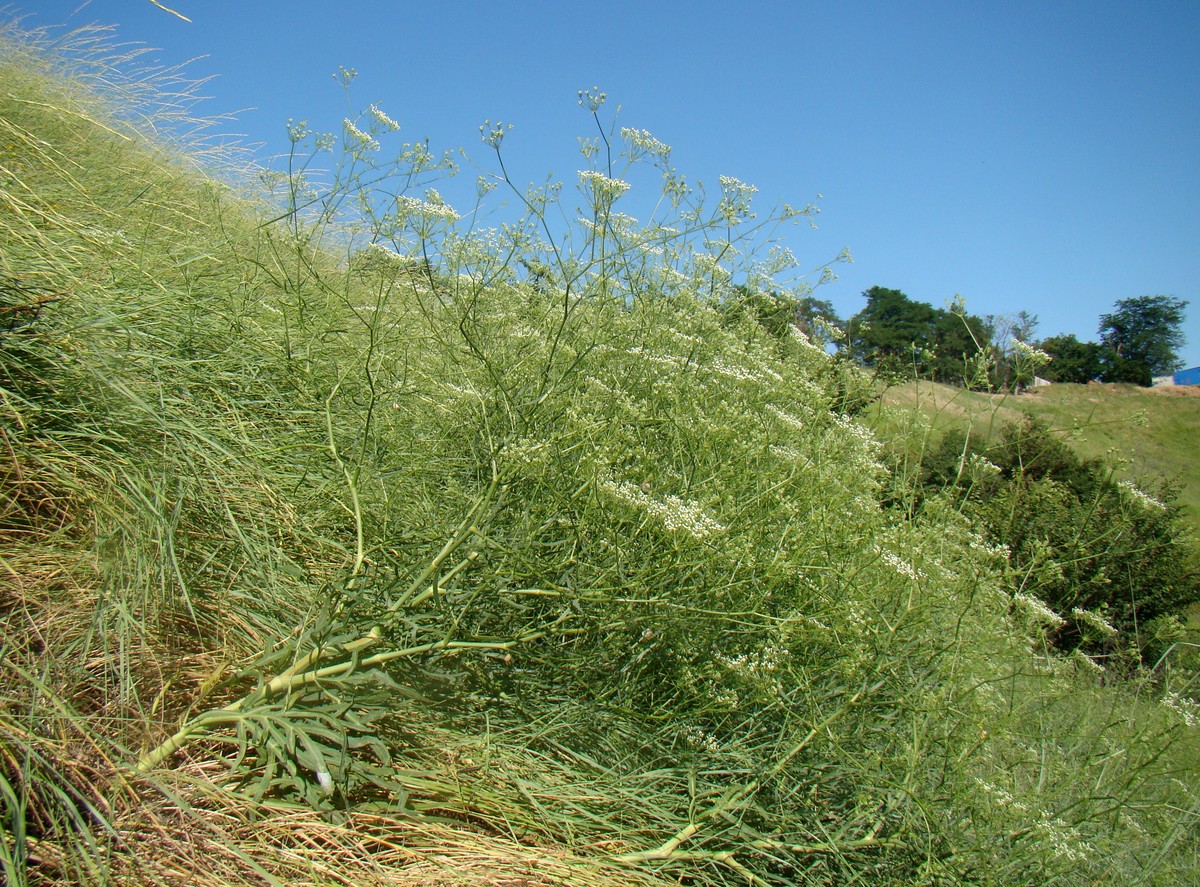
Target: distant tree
[958, 338]
[1008, 327]
[815, 318]
[1006, 330]
[898, 336]
[1024, 325]
[1072, 360]
[1143, 330]
[893, 333]
[1123, 369]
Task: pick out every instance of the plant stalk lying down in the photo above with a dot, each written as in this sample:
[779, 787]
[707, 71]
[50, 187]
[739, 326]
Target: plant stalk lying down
[306, 673]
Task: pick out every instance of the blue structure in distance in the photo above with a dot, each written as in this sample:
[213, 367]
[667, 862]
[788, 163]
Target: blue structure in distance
[1188, 377]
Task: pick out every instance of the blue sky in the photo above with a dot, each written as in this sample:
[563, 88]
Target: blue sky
[1038, 156]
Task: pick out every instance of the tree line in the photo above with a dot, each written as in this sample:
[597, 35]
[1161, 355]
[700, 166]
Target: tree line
[1138, 341]
[898, 337]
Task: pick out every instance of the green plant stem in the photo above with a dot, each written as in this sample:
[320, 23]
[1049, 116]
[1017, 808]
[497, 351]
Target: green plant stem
[668, 849]
[351, 483]
[293, 679]
[465, 529]
[279, 684]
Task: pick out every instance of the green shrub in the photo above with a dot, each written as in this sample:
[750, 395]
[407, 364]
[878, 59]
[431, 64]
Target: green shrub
[1106, 557]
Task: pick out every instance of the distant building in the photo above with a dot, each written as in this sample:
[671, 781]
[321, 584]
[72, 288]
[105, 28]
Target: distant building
[1187, 377]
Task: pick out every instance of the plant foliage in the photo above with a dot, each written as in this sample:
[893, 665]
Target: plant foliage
[348, 540]
[1109, 559]
[1145, 331]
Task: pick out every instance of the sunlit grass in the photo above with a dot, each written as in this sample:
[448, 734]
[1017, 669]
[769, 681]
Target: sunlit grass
[345, 543]
[1147, 433]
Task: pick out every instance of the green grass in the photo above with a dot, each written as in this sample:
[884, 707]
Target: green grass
[1149, 434]
[411, 564]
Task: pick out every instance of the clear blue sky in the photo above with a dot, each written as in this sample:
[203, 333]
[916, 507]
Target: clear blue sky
[1042, 156]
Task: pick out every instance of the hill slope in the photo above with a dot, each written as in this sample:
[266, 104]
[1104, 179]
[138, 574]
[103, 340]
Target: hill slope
[1149, 433]
[335, 564]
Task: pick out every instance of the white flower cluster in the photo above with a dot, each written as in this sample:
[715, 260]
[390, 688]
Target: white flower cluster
[527, 452]
[1037, 611]
[798, 336]
[104, 236]
[1184, 706]
[735, 200]
[706, 267]
[617, 223]
[383, 119]
[981, 467]
[726, 699]
[1095, 621]
[822, 329]
[359, 140]
[1086, 662]
[857, 430]
[1144, 499]
[686, 339]
[542, 196]
[779, 260]
[385, 253]
[675, 514]
[788, 454]
[603, 189]
[602, 385]
[493, 134]
[1025, 352]
[1001, 796]
[592, 98]
[675, 187]
[733, 372]
[525, 331]
[642, 143]
[464, 391]
[700, 739]
[981, 545]
[756, 663]
[900, 565]
[1063, 839]
[810, 210]
[785, 417]
[667, 360]
[429, 209]
[297, 130]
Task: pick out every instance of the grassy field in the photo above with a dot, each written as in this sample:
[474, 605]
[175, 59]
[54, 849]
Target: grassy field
[1151, 434]
[343, 542]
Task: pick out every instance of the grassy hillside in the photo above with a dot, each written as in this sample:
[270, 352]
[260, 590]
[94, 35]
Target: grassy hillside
[345, 543]
[1149, 433]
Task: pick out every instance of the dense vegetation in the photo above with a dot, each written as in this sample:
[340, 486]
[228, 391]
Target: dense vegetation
[1114, 564]
[346, 543]
[899, 338]
[1139, 340]
[1142, 435]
